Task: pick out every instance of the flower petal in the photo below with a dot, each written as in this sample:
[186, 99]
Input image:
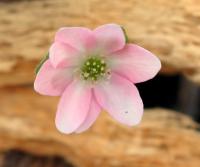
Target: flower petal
[110, 37]
[93, 113]
[135, 63]
[77, 37]
[121, 99]
[73, 107]
[62, 55]
[51, 81]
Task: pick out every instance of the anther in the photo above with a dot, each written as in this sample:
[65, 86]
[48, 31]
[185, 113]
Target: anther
[102, 62]
[86, 74]
[102, 68]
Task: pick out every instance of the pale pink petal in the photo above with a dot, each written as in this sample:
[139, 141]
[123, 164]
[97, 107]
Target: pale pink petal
[63, 55]
[51, 81]
[77, 37]
[92, 115]
[73, 107]
[121, 99]
[110, 37]
[135, 63]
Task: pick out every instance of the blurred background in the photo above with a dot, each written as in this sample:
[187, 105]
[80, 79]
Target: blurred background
[168, 135]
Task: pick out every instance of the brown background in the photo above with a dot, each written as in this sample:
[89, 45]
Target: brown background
[170, 29]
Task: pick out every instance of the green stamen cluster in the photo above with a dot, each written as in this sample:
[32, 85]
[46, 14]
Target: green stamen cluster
[93, 68]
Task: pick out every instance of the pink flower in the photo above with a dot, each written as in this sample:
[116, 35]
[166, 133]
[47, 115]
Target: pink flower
[93, 71]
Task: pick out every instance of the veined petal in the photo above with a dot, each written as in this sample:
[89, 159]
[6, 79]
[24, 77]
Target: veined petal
[92, 115]
[110, 37]
[121, 99]
[73, 107]
[51, 81]
[63, 55]
[135, 63]
[78, 37]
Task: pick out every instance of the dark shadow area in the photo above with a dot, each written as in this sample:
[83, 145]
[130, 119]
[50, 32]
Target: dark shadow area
[189, 99]
[15, 158]
[160, 91]
[173, 92]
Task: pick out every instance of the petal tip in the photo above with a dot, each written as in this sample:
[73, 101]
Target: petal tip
[38, 88]
[60, 127]
[157, 66]
[136, 122]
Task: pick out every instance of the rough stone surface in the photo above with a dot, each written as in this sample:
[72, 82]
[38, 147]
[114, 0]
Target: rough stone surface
[164, 138]
[170, 30]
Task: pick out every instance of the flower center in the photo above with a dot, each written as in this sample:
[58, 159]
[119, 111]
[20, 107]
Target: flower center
[93, 68]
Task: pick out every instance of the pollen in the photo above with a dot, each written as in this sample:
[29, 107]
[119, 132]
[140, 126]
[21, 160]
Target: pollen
[93, 68]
